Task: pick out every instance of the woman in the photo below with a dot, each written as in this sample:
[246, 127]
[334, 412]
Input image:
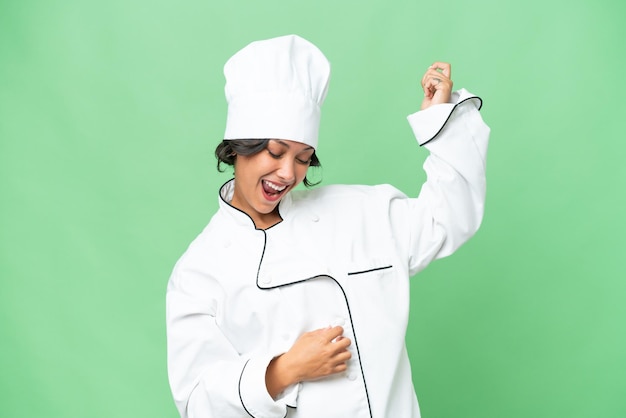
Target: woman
[295, 302]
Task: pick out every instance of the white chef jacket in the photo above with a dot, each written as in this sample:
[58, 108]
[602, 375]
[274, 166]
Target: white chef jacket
[342, 255]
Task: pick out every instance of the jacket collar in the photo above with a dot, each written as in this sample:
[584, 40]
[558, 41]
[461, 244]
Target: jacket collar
[240, 217]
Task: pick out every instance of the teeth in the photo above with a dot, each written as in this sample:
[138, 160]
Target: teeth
[275, 187]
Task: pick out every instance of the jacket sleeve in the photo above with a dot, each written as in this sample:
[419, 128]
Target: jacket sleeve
[450, 205]
[208, 377]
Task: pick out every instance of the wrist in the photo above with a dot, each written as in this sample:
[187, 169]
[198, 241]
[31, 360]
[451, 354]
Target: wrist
[279, 376]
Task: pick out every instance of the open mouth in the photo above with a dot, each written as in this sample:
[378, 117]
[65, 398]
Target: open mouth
[273, 190]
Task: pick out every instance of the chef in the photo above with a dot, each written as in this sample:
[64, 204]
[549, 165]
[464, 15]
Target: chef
[294, 303]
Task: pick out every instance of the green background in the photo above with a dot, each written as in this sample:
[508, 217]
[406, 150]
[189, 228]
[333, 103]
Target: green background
[109, 115]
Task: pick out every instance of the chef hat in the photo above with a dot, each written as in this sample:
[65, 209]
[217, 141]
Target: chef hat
[275, 89]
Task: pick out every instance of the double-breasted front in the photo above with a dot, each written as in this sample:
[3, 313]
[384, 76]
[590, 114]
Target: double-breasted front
[342, 255]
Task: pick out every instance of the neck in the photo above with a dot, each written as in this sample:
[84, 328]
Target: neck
[267, 220]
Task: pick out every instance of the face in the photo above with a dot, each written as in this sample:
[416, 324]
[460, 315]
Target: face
[262, 179]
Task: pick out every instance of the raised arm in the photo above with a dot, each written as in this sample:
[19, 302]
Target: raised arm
[450, 206]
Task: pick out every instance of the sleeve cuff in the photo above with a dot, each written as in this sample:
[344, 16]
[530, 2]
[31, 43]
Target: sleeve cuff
[290, 395]
[428, 123]
[253, 392]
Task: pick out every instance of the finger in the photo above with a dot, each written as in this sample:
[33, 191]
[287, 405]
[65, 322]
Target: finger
[339, 359]
[434, 80]
[343, 356]
[333, 332]
[439, 82]
[342, 367]
[444, 67]
[430, 87]
[428, 84]
[341, 343]
[433, 73]
[430, 73]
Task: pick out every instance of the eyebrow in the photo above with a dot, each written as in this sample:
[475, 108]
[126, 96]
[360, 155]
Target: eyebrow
[283, 143]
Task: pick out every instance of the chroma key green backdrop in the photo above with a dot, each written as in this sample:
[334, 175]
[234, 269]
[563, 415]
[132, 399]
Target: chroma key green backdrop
[109, 115]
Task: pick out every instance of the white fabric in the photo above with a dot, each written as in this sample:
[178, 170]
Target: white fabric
[427, 123]
[275, 89]
[341, 255]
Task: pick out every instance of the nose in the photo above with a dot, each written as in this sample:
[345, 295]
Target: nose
[287, 170]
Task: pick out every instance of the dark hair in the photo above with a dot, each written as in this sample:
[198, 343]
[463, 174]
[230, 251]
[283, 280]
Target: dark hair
[227, 151]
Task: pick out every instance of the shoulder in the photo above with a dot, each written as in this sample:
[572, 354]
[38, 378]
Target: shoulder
[204, 246]
[346, 194]
[348, 204]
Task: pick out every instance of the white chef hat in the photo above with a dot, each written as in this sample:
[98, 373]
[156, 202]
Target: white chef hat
[275, 89]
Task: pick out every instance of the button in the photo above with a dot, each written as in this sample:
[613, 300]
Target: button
[315, 218]
[351, 376]
[339, 321]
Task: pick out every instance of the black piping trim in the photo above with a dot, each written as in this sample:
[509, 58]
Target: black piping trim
[356, 344]
[241, 398]
[450, 114]
[258, 270]
[239, 210]
[239, 388]
[369, 271]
